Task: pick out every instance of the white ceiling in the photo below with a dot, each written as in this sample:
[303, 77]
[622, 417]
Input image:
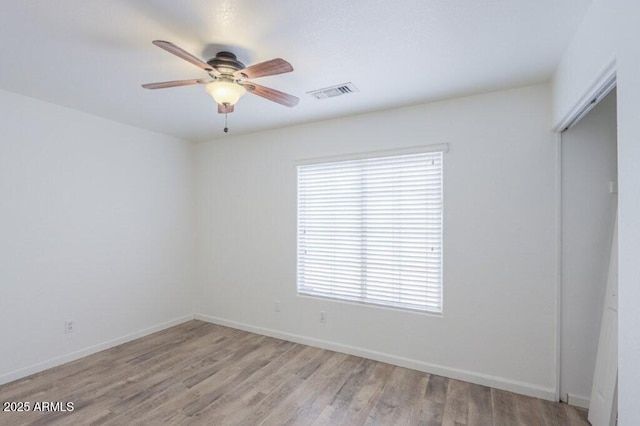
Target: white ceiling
[93, 55]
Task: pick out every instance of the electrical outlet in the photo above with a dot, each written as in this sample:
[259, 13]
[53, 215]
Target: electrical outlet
[323, 316]
[68, 327]
[276, 305]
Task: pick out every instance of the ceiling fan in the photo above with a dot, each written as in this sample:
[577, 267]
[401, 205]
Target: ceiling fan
[227, 82]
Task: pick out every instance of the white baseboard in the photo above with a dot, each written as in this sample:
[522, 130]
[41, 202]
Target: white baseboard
[578, 400]
[72, 356]
[454, 373]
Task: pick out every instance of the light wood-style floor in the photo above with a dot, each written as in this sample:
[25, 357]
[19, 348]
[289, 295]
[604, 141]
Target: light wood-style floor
[199, 373]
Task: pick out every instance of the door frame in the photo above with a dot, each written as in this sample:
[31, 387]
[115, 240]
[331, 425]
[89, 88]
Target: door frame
[600, 87]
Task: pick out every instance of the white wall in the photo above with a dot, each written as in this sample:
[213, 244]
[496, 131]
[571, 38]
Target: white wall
[611, 29]
[588, 212]
[97, 224]
[500, 239]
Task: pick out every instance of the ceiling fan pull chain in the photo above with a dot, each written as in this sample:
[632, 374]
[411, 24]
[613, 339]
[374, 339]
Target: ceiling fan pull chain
[226, 129]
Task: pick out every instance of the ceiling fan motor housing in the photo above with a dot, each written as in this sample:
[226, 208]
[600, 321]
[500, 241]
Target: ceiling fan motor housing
[226, 63]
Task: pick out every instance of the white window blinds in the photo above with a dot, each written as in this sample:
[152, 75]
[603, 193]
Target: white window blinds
[371, 230]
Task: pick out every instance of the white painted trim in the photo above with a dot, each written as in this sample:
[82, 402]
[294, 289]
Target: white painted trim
[468, 376]
[558, 307]
[603, 79]
[72, 356]
[420, 149]
[578, 401]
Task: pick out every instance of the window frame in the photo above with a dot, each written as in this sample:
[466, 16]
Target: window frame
[443, 148]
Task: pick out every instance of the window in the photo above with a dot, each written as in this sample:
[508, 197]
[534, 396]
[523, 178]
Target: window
[370, 230]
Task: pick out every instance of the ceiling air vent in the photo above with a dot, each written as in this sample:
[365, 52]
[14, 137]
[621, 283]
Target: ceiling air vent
[333, 91]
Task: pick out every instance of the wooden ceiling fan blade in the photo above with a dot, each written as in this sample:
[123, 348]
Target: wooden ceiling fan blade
[176, 83]
[183, 54]
[263, 69]
[222, 109]
[271, 94]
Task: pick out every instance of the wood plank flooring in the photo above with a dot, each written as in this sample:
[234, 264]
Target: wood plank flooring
[203, 374]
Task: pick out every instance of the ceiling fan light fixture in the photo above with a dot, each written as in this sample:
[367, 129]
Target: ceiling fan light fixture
[225, 92]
